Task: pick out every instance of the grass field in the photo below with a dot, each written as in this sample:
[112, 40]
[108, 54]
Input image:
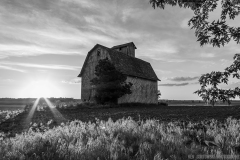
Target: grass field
[11, 107]
[123, 132]
[85, 114]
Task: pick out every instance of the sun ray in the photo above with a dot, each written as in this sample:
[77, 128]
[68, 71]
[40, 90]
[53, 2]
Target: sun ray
[57, 115]
[31, 113]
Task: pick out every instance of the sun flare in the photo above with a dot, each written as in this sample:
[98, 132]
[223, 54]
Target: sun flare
[38, 89]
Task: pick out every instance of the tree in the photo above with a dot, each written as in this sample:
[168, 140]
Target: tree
[217, 32]
[212, 79]
[110, 84]
[159, 94]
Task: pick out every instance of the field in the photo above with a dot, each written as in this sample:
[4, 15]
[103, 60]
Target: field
[196, 103]
[11, 107]
[123, 132]
[143, 112]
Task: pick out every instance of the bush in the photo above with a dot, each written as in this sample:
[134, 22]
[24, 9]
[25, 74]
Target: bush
[137, 105]
[163, 103]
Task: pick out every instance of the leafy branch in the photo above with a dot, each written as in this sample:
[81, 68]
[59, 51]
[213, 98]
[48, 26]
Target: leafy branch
[213, 79]
[217, 32]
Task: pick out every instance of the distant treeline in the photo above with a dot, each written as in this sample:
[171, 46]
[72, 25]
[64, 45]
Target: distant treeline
[192, 101]
[26, 101]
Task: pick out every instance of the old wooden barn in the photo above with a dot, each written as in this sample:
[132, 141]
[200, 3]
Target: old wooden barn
[140, 73]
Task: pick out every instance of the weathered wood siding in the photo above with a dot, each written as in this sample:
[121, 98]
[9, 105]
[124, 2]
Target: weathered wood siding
[143, 91]
[128, 50]
[87, 92]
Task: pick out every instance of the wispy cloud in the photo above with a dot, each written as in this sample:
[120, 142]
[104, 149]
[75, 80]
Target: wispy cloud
[45, 66]
[23, 33]
[207, 55]
[2, 81]
[73, 27]
[179, 79]
[82, 3]
[187, 71]
[194, 83]
[162, 71]
[173, 84]
[161, 50]
[225, 62]
[11, 68]
[72, 81]
[230, 85]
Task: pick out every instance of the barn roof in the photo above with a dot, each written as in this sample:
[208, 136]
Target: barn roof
[128, 65]
[123, 45]
[132, 66]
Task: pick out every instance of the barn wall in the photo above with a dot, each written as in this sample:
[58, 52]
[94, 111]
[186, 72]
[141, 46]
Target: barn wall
[128, 50]
[131, 50]
[143, 91]
[87, 92]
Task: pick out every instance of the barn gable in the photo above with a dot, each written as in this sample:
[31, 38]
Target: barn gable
[88, 55]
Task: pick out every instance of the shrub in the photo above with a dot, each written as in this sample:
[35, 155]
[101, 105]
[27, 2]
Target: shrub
[163, 103]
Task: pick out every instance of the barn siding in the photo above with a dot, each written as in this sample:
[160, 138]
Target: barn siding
[128, 50]
[89, 72]
[143, 91]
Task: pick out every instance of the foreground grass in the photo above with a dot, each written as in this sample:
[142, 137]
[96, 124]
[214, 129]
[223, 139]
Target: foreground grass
[124, 139]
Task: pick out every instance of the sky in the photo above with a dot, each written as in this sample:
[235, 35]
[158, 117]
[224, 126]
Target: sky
[43, 44]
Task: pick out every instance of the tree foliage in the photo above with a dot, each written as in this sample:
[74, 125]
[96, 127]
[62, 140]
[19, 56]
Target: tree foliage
[110, 84]
[213, 79]
[218, 32]
[159, 94]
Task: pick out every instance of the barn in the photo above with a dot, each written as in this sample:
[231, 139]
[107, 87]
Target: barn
[139, 72]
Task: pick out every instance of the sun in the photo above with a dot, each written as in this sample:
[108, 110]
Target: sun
[38, 89]
[41, 88]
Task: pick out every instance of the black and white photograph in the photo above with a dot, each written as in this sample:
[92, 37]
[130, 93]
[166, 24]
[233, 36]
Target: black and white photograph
[119, 79]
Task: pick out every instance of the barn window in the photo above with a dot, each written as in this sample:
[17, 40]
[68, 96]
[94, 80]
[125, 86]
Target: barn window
[98, 53]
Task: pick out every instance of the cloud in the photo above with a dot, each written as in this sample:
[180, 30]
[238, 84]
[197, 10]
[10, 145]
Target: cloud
[225, 62]
[173, 84]
[82, 3]
[195, 83]
[184, 71]
[75, 26]
[207, 55]
[163, 47]
[46, 66]
[230, 85]
[11, 68]
[129, 13]
[43, 27]
[179, 79]
[162, 71]
[72, 81]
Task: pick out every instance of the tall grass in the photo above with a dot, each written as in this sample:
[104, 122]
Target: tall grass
[8, 114]
[125, 139]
